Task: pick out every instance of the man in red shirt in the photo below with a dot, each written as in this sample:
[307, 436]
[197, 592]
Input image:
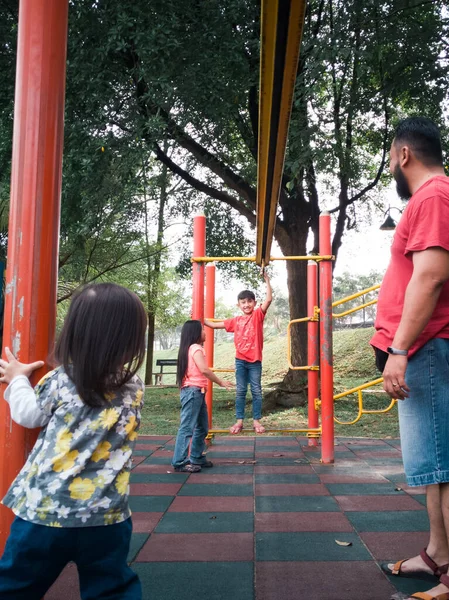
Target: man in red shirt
[248, 341]
[412, 337]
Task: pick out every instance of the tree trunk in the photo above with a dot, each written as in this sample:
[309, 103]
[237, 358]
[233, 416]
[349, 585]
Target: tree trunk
[150, 349]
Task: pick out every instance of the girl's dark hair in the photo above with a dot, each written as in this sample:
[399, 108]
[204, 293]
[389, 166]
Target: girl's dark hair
[190, 334]
[102, 342]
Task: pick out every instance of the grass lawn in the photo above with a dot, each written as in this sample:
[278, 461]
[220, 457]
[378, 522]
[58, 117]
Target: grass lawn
[353, 365]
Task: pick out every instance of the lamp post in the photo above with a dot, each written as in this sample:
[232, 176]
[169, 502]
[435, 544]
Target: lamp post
[389, 224]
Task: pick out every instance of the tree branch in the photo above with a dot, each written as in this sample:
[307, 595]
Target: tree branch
[204, 188]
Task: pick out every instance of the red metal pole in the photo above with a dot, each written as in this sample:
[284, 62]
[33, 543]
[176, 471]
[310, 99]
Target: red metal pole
[32, 266]
[209, 345]
[199, 249]
[313, 354]
[326, 358]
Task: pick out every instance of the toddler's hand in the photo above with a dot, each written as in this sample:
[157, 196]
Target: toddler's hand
[227, 384]
[11, 367]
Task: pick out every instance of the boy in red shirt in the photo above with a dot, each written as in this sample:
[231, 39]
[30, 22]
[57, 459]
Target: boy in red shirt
[248, 340]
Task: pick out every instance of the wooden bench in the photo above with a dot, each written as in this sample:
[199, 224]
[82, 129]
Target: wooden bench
[164, 362]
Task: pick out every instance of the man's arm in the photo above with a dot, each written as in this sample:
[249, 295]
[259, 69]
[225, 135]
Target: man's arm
[269, 295]
[430, 273]
[214, 324]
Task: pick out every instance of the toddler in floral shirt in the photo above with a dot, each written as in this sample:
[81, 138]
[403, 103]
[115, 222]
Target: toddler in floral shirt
[71, 497]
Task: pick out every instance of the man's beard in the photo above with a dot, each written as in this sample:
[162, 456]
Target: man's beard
[402, 186]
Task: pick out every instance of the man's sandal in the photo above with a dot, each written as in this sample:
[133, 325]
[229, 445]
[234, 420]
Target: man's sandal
[259, 428]
[444, 579]
[437, 571]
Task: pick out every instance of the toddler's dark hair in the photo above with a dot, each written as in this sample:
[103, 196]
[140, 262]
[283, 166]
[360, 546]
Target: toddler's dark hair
[246, 295]
[102, 342]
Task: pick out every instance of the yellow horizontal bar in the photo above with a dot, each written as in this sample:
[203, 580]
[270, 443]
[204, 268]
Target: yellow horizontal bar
[223, 370]
[359, 387]
[353, 310]
[208, 259]
[373, 288]
[318, 430]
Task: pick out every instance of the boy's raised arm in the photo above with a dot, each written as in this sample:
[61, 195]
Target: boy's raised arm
[214, 324]
[269, 295]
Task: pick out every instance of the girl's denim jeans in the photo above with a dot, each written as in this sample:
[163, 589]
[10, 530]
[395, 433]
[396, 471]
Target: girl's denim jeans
[194, 426]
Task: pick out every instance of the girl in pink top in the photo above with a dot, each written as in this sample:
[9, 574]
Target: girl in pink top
[192, 377]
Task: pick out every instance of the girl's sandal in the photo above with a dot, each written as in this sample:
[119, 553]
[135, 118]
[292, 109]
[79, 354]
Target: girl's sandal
[259, 428]
[237, 428]
[396, 570]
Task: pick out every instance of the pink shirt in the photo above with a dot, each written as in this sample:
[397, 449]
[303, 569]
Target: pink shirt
[424, 224]
[193, 376]
[248, 335]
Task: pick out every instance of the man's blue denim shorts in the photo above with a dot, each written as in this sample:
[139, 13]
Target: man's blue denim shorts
[424, 415]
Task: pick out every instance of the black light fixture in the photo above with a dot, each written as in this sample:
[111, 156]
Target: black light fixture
[389, 224]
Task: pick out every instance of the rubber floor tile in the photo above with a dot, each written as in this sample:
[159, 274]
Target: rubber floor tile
[363, 489]
[150, 503]
[310, 546]
[204, 489]
[356, 478]
[286, 478]
[144, 446]
[280, 461]
[235, 469]
[301, 469]
[228, 448]
[278, 454]
[414, 491]
[409, 586]
[156, 438]
[162, 453]
[159, 460]
[376, 503]
[147, 468]
[232, 441]
[321, 581]
[291, 489]
[421, 498]
[143, 453]
[195, 581]
[137, 541]
[249, 454]
[301, 521]
[268, 443]
[207, 547]
[165, 477]
[296, 504]
[206, 476]
[392, 453]
[155, 489]
[211, 504]
[394, 546]
[206, 522]
[66, 586]
[415, 520]
[145, 522]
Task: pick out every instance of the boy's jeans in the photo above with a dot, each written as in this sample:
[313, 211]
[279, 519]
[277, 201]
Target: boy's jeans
[194, 425]
[248, 372]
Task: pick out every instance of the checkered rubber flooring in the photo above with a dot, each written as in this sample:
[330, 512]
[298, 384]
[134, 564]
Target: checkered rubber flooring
[264, 523]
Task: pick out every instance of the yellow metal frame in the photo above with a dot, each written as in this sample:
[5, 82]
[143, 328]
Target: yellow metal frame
[208, 259]
[282, 24]
[373, 288]
[359, 391]
[311, 433]
[289, 345]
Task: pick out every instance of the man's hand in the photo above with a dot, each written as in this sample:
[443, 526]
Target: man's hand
[394, 377]
[11, 367]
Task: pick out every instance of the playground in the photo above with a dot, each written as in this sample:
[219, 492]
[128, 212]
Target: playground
[311, 509]
[270, 521]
